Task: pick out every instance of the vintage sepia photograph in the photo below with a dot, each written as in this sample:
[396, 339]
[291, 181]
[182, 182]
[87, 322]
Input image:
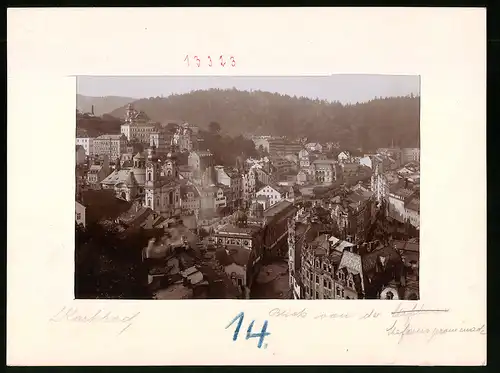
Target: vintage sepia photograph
[229, 187]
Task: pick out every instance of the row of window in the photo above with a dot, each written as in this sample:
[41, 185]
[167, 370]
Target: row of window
[327, 294]
[339, 276]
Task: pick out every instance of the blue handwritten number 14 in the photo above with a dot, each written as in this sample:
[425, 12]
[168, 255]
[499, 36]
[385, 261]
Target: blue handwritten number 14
[263, 333]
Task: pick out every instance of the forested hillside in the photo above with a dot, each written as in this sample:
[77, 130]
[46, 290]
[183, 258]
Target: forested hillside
[102, 105]
[369, 125]
[96, 126]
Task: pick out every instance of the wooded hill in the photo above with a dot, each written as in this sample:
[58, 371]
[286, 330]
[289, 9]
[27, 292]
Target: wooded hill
[372, 124]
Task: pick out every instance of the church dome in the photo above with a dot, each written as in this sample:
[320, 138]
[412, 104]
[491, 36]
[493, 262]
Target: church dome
[139, 175]
[139, 155]
[240, 217]
[130, 179]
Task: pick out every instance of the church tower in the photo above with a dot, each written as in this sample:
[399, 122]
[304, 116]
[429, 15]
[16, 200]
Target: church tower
[291, 250]
[152, 178]
[130, 113]
[170, 169]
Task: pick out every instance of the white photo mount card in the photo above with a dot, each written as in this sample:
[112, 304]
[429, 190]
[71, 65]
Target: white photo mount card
[250, 189]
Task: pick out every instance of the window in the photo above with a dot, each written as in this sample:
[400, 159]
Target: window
[78, 215]
[325, 283]
[337, 290]
[317, 295]
[317, 279]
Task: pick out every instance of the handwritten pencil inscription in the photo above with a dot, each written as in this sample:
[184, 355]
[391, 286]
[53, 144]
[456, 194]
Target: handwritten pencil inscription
[73, 315]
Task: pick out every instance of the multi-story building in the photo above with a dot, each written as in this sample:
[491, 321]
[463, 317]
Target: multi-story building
[394, 153]
[261, 175]
[137, 126]
[248, 184]
[410, 155]
[213, 196]
[158, 140]
[344, 156]
[284, 147]
[232, 179]
[314, 147]
[185, 137]
[403, 205]
[202, 165]
[262, 142]
[323, 170]
[111, 145]
[80, 155]
[87, 142]
[353, 214]
[242, 238]
[273, 193]
[98, 172]
[381, 182]
[398, 199]
[190, 199]
[304, 159]
[302, 177]
[80, 214]
[325, 267]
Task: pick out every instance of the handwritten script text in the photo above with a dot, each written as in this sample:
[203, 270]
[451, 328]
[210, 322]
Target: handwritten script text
[71, 314]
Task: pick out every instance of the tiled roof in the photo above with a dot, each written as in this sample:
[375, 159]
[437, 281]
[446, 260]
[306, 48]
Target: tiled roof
[351, 261]
[277, 208]
[324, 161]
[403, 192]
[125, 176]
[238, 255]
[369, 260]
[231, 228]
[206, 214]
[109, 137]
[185, 189]
[414, 205]
[102, 204]
[406, 245]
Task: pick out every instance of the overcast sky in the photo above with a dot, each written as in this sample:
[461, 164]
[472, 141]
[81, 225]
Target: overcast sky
[343, 88]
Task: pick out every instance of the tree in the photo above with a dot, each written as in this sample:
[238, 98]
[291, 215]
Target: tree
[108, 265]
[172, 127]
[214, 127]
[371, 124]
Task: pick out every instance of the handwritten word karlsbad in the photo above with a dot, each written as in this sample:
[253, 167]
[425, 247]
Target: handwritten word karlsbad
[263, 333]
[209, 61]
[70, 314]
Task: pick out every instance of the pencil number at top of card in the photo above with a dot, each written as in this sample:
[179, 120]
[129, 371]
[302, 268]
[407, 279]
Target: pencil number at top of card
[198, 61]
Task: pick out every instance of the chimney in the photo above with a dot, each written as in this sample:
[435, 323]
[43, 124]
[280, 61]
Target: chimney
[150, 247]
[92, 109]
